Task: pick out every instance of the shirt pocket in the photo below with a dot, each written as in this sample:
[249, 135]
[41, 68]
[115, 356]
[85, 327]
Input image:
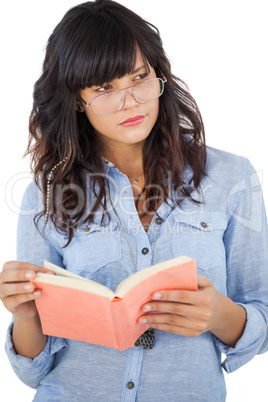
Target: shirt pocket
[200, 236]
[93, 247]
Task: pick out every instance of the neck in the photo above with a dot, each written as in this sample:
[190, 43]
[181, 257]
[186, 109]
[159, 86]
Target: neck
[128, 160]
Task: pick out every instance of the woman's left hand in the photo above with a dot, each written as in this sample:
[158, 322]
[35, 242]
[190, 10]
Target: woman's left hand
[191, 313]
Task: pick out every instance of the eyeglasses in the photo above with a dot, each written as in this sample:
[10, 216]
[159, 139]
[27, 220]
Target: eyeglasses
[112, 102]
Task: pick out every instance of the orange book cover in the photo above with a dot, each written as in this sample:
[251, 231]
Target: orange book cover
[77, 308]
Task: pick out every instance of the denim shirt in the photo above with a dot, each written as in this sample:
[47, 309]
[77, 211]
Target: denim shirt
[226, 233]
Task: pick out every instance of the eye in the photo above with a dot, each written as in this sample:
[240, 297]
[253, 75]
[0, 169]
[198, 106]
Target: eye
[141, 76]
[104, 88]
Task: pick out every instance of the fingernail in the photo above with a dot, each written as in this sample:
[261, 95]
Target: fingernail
[146, 308]
[157, 296]
[29, 275]
[28, 287]
[37, 293]
[143, 320]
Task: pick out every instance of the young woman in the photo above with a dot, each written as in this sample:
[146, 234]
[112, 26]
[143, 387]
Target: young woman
[123, 180]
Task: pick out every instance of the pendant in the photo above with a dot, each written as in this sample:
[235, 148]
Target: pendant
[136, 181]
[147, 339]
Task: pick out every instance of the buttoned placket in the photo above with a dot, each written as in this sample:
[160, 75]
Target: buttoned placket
[143, 253]
[130, 221]
[137, 354]
[144, 258]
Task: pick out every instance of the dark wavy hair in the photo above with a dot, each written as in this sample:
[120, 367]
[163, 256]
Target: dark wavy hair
[94, 43]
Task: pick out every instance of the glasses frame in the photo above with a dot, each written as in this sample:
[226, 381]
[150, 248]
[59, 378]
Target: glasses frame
[163, 81]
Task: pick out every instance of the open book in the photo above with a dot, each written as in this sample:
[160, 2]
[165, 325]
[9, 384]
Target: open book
[77, 308]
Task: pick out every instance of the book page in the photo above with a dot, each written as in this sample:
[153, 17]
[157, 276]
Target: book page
[62, 272]
[72, 281]
[138, 277]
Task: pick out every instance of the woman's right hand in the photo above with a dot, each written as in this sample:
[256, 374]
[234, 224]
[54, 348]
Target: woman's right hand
[16, 291]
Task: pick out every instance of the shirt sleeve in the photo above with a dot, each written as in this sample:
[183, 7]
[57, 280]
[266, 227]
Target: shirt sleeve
[32, 371]
[33, 247]
[246, 245]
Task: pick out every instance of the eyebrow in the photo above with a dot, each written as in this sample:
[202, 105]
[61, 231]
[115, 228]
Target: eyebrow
[132, 72]
[137, 69]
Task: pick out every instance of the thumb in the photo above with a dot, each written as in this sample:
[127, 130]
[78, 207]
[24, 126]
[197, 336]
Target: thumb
[203, 282]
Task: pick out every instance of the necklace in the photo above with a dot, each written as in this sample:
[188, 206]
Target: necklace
[135, 178]
[146, 340]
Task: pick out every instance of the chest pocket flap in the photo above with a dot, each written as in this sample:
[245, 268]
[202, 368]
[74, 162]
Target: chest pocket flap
[200, 236]
[93, 247]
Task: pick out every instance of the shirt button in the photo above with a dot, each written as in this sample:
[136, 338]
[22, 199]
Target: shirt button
[158, 221]
[204, 225]
[130, 385]
[145, 250]
[138, 342]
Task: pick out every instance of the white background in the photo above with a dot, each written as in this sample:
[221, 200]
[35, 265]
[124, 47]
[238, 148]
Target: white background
[219, 48]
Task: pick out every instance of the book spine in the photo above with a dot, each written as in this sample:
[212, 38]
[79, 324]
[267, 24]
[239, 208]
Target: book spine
[123, 329]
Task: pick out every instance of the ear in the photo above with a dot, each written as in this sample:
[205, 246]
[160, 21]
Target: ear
[79, 108]
[79, 105]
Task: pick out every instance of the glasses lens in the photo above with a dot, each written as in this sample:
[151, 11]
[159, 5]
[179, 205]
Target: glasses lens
[149, 90]
[107, 103]
[112, 102]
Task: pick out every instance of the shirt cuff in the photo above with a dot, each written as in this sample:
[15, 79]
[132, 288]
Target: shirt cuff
[38, 366]
[248, 345]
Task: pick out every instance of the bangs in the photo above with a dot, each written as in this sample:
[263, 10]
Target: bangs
[97, 56]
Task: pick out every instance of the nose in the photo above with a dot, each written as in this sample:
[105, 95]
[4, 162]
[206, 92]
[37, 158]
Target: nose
[128, 101]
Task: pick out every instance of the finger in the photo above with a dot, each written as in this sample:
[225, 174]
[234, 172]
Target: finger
[184, 331]
[180, 296]
[18, 265]
[172, 308]
[169, 319]
[12, 302]
[16, 288]
[174, 323]
[19, 275]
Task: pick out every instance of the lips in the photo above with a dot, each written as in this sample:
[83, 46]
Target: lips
[133, 121]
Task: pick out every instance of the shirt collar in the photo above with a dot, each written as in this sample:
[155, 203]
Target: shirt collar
[108, 163]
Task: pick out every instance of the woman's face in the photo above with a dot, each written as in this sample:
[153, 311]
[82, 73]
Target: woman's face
[115, 129]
